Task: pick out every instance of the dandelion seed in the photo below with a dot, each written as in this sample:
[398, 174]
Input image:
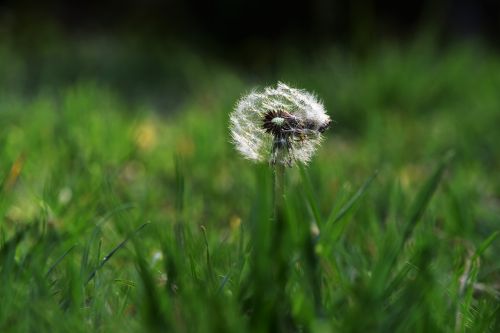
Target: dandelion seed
[280, 125]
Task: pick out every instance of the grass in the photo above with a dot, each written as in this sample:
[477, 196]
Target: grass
[119, 216]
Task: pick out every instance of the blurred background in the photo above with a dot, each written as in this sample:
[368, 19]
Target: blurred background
[233, 28]
[403, 81]
[137, 46]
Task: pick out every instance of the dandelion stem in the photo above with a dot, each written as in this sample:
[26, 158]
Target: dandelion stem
[279, 224]
[278, 249]
[279, 191]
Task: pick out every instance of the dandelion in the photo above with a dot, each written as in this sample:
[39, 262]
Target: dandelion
[282, 125]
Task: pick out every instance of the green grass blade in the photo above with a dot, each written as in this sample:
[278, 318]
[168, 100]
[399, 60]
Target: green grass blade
[207, 252]
[112, 252]
[335, 228]
[424, 196]
[58, 261]
[485, 244]
[9, 246]
[347, 207]
[394, 247]
[309, 194]
[85, 264]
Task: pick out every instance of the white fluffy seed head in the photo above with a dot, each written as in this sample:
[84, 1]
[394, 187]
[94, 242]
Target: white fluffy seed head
[255, 143]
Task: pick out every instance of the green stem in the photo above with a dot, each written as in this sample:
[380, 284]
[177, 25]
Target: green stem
[278, 230]
[279, 192]
[278, 251]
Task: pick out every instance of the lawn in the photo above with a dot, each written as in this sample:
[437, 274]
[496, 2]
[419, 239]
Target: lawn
[126, 208]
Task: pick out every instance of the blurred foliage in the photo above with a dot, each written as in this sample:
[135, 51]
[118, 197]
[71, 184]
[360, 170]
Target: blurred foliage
[99, 137]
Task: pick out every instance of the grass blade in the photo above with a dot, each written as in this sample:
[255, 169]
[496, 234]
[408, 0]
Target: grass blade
[309, 194]
[85, 264]
[332, 222]
[110, 254]
[424, 196]
[394, 248]
[485, 244]
[345, 209]
[58, 261]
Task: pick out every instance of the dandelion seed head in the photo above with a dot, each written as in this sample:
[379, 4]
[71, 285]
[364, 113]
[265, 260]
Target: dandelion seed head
[279, 125]
[278, 121]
